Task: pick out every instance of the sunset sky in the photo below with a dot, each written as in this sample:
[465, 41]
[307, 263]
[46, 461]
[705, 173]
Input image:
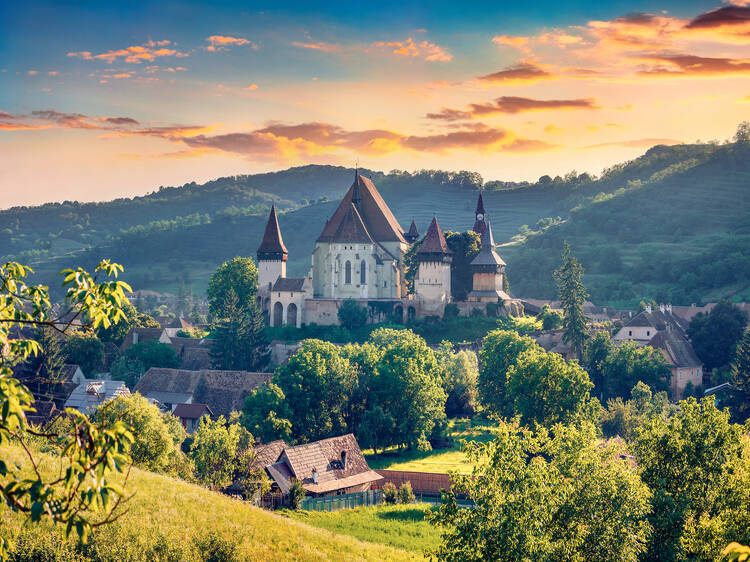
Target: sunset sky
[104, 100]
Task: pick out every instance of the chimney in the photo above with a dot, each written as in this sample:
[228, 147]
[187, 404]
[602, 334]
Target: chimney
[669, 308]
[648, 308]
[661, 308]
[314, 475]
[135, 338]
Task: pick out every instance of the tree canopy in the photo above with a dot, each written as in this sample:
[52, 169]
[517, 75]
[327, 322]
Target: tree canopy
[241, 276]
[572, 294]
[714, 335]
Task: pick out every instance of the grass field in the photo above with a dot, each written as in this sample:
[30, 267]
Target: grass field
[169, 511]
[438, 460]
[403, 527]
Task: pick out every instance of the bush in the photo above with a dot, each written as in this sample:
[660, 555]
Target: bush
[476, 311]
[390, 493]
[451, 310]
[212, 547]
[351, 315]
[405, 493]
[296, 494]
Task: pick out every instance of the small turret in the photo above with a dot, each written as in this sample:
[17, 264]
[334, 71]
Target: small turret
[272, 254]
[413, 234]
[479, 217]
[433, 282]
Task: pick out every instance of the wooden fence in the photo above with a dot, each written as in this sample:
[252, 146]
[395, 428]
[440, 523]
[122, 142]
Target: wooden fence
[343, 501]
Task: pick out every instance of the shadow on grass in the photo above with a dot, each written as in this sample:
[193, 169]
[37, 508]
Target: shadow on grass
[414, 514]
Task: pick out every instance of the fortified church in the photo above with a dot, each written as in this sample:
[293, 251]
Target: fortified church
[360, 255]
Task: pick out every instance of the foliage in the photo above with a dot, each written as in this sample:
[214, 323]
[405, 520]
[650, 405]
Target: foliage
[390, 493]
[500, 349]
[551, 319]
[116, 333]
[212, 547]
[741, 378]
[459, 376]
[465, 246]
[596, 353]
[405, 493]
[139, 358]
[85, 350]
[239, 340]
[238, 275]
[543, 388]
[265, 413]
[296, 494]
[83, 496]
[542, 496]
[215, 450]
[625, 419]
[696, 464]
[351, 315]
[156, 436]
[715, 335]
[628, 364]
[742, 135]
[572, 296]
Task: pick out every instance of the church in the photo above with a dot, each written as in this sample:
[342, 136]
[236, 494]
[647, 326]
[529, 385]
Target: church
[360, 255]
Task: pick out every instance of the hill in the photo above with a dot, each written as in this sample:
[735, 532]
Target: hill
[165, 515]
[629, 226]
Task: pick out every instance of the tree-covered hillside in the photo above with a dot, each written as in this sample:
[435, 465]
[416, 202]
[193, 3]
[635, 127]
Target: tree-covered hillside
[669, 225]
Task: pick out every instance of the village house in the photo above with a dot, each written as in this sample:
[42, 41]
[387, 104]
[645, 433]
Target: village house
[91, 394]
[223, 392]
[190, 415]
[193, 353]
[360, 255]
[664, 330]
[325, 468]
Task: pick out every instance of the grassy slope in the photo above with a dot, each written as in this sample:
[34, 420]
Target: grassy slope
[179, 511]
[399, 526]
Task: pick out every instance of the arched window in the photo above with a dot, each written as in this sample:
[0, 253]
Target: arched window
[348, 272]
[363, 273]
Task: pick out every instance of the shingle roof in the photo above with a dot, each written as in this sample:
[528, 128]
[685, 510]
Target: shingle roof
[272, 242]
[325, 456]
[268, 453]
[144, 335]
[88, 395]
[480, 205]
[191, 411]
[295, 284]
[223, 391]
[413, 232]
[352, 229]
[487, 254]
[658, 320]
[434, 241]
[677, 348]
[378, 219]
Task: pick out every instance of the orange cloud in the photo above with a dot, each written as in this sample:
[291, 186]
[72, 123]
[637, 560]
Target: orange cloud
[522, 73]
[409, 48]
[319, 46]
[222, 42]
[666, 64]
[511, 104]
[134, 54]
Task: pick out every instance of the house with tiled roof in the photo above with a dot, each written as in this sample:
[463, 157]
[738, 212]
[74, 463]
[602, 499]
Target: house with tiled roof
[190, 415]
[142, 335]
[324, 468]
[360, 255]
[223, 392]
[91, 394]
[667, 332]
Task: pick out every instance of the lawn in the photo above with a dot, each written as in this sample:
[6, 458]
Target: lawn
[166, 511]
[403, 527]
[437, 460]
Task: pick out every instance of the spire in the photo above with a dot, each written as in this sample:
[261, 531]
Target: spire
[356, 195]
[487, 255]
[479, 223]
[480, 204]
[272, 246]
[413, 234]
[434, 242]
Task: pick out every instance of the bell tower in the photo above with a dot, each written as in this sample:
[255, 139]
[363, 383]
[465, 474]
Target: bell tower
[480, 225]
[272, 255]
[433, 282]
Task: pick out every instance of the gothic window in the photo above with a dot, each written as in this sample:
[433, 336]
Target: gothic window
[363, 273]
[348, 273]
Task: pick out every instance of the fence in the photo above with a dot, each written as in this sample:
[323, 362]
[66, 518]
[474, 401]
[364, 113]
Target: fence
[343, 501]
[421, 482]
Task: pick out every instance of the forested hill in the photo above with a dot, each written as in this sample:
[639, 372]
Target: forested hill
[634, 215]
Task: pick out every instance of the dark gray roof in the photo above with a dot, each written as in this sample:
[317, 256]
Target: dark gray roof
[88, 395]
[289, 284]
[678, 349]
[658, 320]
[487, 255]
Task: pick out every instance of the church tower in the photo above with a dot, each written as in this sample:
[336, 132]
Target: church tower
[413, 234]
[488, 270]
[272, 255]
[479, 223]
[433, 282]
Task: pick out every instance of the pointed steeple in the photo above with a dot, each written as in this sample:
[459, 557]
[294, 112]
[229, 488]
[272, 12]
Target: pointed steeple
[479, 223]
[413, 234]
[356, 194]
[487, 256]
[272, 246]
[434, 245]
[480, 205]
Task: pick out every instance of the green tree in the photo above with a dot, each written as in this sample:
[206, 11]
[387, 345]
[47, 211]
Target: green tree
[84, 496]
[625, 419]
[499, 352]
[351, 315]
[459, 380]
[116, 333]
[544, 389]
[572, 294]
[214, 451]
[138, 359]
[240, 341]
[465, 246]
[539, 497]
[265, 413]
[551, 319]
[157, 436]
[715, 335]
[742, 136]
[696, 464]
[241, 276]
[740, 395]
[629, 363]
[85, 350]
[597, 350]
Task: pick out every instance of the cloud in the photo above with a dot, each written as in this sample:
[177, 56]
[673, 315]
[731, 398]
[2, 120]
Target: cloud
[667, 64]
[524, 72]
[251, 87]
[32, 72]
[121, 120]
[148, 51]
[223, 42]
[510, 104]
[423, 49]
[737, 15]
[321, 46]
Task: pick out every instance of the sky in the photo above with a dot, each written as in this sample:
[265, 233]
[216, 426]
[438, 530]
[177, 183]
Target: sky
[106, 100]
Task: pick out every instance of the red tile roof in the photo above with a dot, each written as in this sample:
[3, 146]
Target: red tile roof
[272, 242]
[434, 241]
[191, 411]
